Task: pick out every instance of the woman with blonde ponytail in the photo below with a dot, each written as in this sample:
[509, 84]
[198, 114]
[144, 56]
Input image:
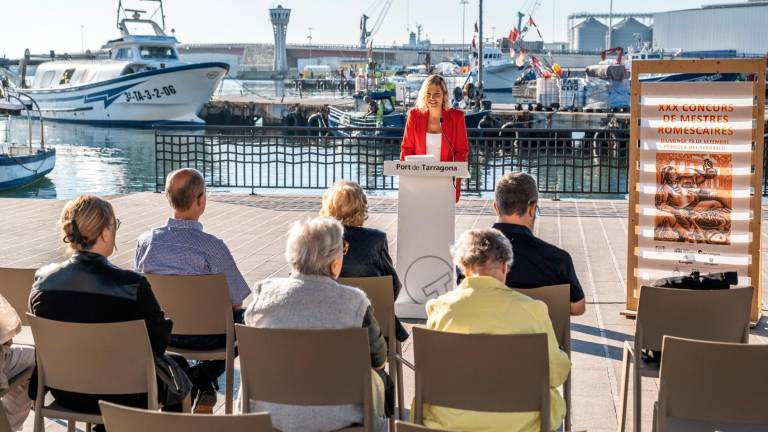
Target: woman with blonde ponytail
[87, 288]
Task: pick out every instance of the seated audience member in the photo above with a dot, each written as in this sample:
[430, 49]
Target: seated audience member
[87, 288]
[537, 263]
[310, 298]
[483, 304]
[181, 247]
[14, 359]
[366, 249]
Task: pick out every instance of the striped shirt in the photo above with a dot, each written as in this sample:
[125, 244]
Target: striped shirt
[182, 248]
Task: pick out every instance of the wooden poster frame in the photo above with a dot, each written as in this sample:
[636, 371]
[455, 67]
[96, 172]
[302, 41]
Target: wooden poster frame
[747, 66]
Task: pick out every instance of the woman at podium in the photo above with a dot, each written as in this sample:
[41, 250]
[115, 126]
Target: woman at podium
[434, 128]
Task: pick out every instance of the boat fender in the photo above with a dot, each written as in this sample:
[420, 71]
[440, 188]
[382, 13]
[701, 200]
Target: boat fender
[316, 120]
[458, 93]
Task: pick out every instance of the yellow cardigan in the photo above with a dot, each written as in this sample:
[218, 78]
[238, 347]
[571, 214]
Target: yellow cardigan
[485, 305]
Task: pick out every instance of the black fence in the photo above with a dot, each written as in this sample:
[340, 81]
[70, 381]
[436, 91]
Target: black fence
[565, 162]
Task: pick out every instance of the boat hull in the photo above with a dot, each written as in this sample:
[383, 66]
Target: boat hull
[500, 78]
[173, 95]
[20, 170]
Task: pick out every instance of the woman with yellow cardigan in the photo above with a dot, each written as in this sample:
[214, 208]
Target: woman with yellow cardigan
[483, 304]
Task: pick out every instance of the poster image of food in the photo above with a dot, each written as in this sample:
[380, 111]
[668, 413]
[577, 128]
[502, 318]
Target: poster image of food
[693, 198]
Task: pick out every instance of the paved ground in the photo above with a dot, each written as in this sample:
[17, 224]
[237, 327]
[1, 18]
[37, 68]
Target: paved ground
[254, 227]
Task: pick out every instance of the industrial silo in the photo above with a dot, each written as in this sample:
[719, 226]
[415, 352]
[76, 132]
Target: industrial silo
[629, 30]
[589, 35]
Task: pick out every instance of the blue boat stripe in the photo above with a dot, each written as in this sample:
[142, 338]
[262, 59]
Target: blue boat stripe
[108, 95]
[6, 160]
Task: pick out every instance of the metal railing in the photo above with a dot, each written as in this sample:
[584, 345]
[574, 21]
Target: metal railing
[575, 162]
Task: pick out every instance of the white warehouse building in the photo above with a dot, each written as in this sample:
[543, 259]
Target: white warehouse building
[733, 26]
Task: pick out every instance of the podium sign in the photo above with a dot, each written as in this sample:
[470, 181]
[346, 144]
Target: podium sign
[695, 198]
[425, 230]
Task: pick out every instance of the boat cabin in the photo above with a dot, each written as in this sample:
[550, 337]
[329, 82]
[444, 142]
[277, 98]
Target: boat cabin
[143, 47]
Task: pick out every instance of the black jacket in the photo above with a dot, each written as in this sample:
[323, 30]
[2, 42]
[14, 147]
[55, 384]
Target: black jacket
[89, 289]
[368, 256]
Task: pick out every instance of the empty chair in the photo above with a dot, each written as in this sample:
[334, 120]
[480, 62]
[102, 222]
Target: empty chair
[712, 315]
[379, 292]
[401, 426]
[200, 305]
[297, 368]
[15, 287]
[709, 386]
[557, 299]
[118, 418]
[480, 372]
[97, 359]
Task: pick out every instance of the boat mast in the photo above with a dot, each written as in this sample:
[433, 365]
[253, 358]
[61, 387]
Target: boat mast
[480, 47]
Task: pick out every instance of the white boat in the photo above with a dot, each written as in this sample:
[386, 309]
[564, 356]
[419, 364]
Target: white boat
[499, 70]
[142, 83]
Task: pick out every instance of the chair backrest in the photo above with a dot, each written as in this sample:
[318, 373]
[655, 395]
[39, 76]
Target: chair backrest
[401, 426]
[119, 418]
[481, 372]
[558, 300]
[15, 286]
[713, 381]
[104, 358]
[381, 295]
[304, 367]
[198, 305]
[713, 315]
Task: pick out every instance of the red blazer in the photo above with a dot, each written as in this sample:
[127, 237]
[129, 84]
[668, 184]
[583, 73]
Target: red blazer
[455, 147]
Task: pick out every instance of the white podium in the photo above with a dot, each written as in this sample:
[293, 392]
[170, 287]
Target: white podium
[425, 230]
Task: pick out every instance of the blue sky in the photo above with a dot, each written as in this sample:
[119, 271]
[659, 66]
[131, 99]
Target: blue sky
[42, 25]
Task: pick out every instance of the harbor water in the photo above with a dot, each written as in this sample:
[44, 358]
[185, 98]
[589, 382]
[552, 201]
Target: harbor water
[111, 161]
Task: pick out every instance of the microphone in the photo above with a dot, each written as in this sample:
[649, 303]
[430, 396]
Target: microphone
[448, 141]
[450, 147]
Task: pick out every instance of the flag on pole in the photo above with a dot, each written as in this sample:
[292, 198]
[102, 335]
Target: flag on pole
[474, 43]
[477, 29]
[514, 35]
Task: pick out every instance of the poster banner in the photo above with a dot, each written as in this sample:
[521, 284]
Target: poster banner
[695, 168]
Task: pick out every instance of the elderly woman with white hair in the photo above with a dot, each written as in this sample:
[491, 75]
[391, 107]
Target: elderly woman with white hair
[310, 298]
[483, 304]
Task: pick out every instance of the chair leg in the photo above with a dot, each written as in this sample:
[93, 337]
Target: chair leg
[71, 425]
[637, 415]
[624, 390]
[567, 395]
[39, 420]
[229, 384]
[400, 387]
[87, 427]
[186, 404]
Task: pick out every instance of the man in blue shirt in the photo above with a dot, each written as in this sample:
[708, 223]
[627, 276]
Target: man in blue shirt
[180, 247]
[536, 263]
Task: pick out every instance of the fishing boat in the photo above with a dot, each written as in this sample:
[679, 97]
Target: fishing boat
[141, 83]
[22, 164]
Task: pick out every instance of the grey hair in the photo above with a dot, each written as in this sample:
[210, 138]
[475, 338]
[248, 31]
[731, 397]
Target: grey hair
[478, 248]
[313, 244]
[515, 191]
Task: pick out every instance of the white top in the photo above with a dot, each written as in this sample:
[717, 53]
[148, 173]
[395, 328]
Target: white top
[434, 145]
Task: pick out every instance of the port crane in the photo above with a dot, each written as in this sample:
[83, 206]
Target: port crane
[365, 35]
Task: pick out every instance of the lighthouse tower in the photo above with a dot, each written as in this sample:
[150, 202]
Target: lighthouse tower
[279, 17]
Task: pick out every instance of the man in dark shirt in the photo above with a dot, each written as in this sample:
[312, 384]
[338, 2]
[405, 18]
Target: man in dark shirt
[536, 263]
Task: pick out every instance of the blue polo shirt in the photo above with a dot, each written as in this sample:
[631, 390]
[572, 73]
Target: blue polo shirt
[537, 263]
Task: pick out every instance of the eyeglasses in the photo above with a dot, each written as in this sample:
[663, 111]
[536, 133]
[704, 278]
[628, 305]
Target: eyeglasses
[345, 248]
[117, 224]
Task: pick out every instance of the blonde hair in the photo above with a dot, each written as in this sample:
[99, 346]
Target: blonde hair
[313, 244]
[432, 80]
[345, 201]
[83, 220]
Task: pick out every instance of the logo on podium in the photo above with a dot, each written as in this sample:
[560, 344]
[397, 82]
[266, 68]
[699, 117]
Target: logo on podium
[428, 277]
